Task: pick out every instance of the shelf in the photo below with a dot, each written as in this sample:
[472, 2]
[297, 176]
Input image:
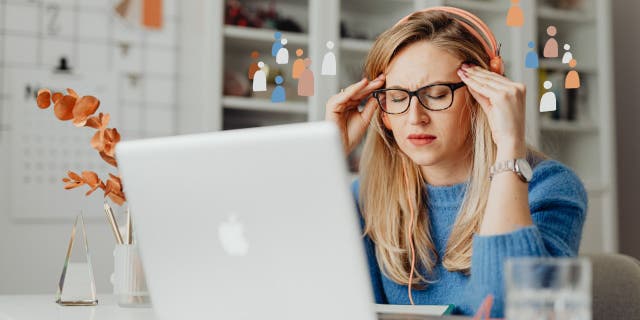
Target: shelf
[355, 45]
[244, 103]
[375, 7]
[263, 35]
[556, 64]
[479, 6]
[568, 126]
[564, 15]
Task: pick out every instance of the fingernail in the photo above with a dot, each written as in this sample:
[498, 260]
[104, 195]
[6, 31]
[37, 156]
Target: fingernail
[465, 66]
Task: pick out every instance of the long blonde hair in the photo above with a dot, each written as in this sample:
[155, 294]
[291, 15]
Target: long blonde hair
[383, 194]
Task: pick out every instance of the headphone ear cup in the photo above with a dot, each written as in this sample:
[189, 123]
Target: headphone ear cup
[496, 65]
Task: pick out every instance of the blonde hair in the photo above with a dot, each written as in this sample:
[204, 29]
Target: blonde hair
[383, 195]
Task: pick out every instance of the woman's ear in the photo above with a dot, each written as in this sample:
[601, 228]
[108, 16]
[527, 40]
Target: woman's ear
[385, 120]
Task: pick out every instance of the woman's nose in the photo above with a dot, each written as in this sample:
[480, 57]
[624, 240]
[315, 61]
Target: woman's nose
[417, 113]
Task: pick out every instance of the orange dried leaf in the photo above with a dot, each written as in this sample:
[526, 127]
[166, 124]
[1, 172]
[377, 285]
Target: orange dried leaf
[97, 141]
[104, 120]
[91, 190]
[72, 93]
[85, 107]
[91, 178]
[117, 198]
[108, 159]
[93, 122]
[56, 97]
[72, 185]
[74, 176]
[44, 98]
[115, 180]
[63, 109]
[66, 180]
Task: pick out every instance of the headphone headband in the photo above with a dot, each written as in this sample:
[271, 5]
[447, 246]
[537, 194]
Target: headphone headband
[476, 27]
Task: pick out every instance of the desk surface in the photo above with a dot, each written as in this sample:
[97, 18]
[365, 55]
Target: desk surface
[23, 307]
[43, 306]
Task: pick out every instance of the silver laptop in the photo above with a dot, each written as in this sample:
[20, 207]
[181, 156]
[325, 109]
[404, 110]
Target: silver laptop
[248, 224]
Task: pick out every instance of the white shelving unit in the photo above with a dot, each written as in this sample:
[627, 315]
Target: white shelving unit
[585, 144]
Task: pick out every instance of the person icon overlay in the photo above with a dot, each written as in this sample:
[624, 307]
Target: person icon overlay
[329, 61]
[254, 65]
[551, 46]
[515, 16]
[283, 53]
[548, 100]
[531, 61]
[298, 65]
[572, 80]
[277, 44]
[260, 78]
[279, 94]
[306, 81]
[567, 56]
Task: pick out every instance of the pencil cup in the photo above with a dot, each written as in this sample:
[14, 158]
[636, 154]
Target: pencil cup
[129, 284]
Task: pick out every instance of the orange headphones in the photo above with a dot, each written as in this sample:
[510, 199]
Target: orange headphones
[477, 28]
[481, 31]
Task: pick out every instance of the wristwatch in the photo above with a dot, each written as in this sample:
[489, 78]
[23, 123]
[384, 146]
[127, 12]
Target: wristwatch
[520, 166]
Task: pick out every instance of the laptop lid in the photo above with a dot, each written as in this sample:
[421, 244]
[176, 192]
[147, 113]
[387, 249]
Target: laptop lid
[248, 224]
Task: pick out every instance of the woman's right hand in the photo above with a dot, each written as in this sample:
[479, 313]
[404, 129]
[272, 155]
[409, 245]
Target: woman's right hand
[342, 108]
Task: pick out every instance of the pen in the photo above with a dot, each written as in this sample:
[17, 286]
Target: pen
[129, 228]
[113, 223]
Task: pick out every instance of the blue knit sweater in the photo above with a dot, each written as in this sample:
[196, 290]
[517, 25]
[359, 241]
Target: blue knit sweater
[558, 204]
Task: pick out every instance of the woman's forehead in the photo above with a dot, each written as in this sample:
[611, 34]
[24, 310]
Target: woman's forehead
[422, 63]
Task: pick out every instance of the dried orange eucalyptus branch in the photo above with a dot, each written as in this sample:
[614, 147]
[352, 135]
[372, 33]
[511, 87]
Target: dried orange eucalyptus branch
[80, 111]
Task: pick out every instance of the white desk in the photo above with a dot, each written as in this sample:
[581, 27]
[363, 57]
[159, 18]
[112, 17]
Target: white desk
[37, 307]
[43, 307]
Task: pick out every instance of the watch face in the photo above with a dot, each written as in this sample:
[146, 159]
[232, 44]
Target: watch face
[525, 169]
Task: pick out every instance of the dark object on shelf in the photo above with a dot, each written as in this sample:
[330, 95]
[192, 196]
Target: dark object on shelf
[572, 103]
[236, 14]
[258, 16]
[288, 24]
[235, 84]
[565, 4]
[346, 33]
[343, 30]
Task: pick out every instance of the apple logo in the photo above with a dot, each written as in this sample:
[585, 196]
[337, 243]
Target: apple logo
[231, 234]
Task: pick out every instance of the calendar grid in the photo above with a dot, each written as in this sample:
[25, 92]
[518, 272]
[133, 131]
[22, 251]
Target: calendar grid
[133, 69]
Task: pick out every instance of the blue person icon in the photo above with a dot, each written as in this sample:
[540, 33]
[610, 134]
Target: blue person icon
[276, 43]
[531, 60]
[279, 94]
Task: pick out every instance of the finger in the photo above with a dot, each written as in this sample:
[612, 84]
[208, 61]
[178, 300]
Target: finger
[483, 101]
[368, 111]
[486, 74]
[346, 94]
[489, 80]
[373, 85]
[475, 84]
[353, 95]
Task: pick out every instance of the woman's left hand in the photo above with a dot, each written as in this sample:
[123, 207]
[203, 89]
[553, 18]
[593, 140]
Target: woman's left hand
[503, 101]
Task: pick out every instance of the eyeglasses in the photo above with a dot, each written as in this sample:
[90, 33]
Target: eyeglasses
[434, 97]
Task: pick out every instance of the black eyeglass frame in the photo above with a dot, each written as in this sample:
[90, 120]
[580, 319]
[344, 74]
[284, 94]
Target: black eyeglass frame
[452, 86]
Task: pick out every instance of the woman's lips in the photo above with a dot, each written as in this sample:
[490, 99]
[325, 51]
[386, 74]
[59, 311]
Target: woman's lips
[421, 139]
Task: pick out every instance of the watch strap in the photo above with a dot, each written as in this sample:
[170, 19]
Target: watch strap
[503, 166]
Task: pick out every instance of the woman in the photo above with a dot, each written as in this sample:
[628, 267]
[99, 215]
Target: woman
[445, 194]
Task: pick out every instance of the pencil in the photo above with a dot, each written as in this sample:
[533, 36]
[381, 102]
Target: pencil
[114, 224]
